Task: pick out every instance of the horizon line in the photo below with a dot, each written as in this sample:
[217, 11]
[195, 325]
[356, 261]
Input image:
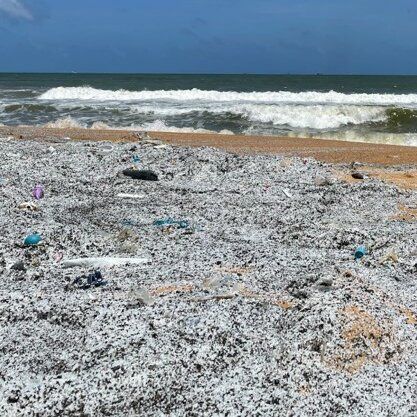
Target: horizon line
[317, 74]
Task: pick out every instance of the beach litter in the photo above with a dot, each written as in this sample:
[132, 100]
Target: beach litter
[58, 257]
[390, 256]
[145, 175]
[150, 141]
[94, 279]
[140, 297]
[28, 206]
[360, 252]
[189, 325]
[133, 196]
[103, 262]
[181, 224]
[38, 192]
[106, 149]
[321, 181]
[32, 240]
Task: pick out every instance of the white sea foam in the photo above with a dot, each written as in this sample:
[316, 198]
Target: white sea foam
[160, 126]
[409, 139]
[314, 117]
[404, 139]
[65, 123]
[155, 126]
[298, 116]
[307, 97]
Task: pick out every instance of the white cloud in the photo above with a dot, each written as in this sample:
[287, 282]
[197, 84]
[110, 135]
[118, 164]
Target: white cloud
[15, 8]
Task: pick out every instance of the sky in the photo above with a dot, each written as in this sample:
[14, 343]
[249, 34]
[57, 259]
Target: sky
[209, 36]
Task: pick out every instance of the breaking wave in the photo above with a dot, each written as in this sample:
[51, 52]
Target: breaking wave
[310, 109]
[65, 123]
[155, 126]
[307, 97]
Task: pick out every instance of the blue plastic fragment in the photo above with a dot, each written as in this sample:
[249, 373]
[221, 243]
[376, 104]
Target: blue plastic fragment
[32, 240]
[360, 252]
[182, 224]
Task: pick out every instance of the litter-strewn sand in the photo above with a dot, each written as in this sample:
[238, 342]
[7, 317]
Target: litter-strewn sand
[256, 308]
[324, 150]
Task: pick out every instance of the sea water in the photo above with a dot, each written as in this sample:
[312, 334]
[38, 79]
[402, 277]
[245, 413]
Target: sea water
[359, 108]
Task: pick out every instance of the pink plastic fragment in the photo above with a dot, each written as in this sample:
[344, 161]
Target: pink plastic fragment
[58, 257]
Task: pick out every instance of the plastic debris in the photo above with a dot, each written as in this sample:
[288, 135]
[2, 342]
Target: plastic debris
[218, 297]
[141, 296]
[390, 256]
[103, 262]
[32, 240]
[322, 181]
[28, 206]
[58, 257]
[106, 149]
[182, 224]
[136, 159]
[212, 283]
[38, 192]
[145, 175]
[151, 141]
[287, 193]
[134, 196]
[360, 252]
[130, 223]
[92, 280]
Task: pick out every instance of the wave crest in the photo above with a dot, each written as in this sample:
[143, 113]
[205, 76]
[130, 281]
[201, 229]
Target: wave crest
[307, 97]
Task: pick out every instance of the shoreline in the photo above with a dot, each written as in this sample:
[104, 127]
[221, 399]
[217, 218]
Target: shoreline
[325, 150]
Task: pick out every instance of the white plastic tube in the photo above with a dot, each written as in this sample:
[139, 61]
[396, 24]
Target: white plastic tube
[103, 262]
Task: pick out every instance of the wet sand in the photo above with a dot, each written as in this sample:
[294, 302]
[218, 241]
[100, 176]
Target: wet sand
[332, 151]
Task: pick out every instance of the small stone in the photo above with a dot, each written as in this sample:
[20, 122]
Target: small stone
[18, 266]
[358, 175]
[325, 284]
[151, 141]
[321, 181]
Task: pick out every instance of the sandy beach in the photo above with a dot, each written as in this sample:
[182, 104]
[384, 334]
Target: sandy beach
[331, 151]
[233, 291]
[214, 217]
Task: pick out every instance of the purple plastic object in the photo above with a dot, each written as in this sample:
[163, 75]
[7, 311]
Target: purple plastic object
[38, 192]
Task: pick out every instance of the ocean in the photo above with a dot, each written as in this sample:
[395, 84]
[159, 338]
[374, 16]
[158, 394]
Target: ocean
[380, 109]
